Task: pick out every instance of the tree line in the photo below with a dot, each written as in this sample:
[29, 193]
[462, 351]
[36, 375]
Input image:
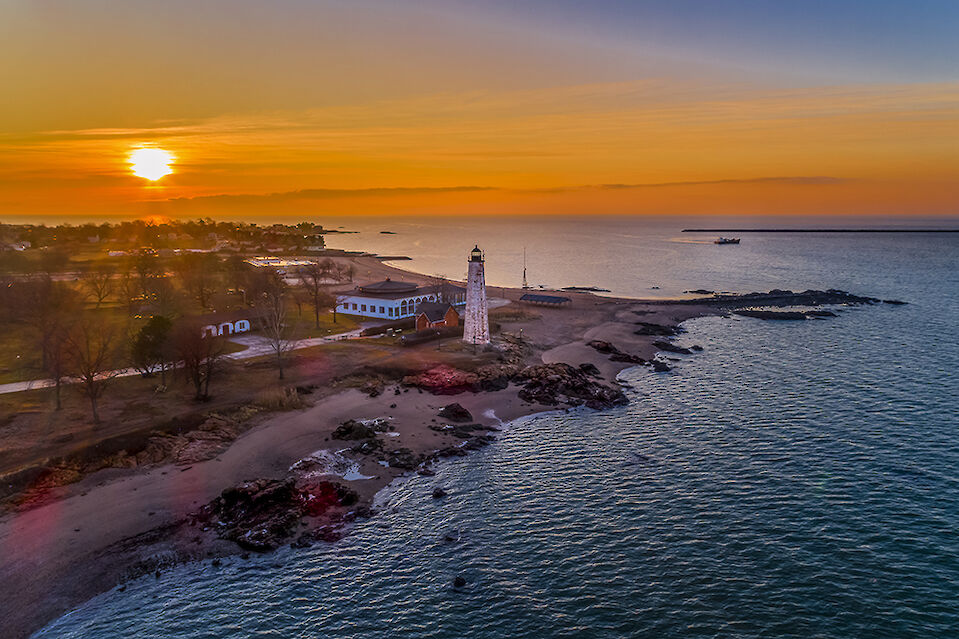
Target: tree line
[147, 313]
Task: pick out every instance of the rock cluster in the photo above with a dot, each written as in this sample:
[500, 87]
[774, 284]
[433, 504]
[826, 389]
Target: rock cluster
[443, 380]
[550, 384]
[615, 355]
[780, 297]
[262, 514]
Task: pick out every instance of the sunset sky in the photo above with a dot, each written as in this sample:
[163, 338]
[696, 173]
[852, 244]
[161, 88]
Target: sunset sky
[305, 108]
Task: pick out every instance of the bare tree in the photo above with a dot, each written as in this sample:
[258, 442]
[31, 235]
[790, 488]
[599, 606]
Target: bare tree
[92, 357]
[56, 361]
[146, 267]
[165, 298]
[202, 355]
[273, 322]
[314, 278]
[99, 283]
[48, 307]
[199, 273]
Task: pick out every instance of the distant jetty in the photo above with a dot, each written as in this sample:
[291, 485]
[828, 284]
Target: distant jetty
[592, 289]
[820, 230]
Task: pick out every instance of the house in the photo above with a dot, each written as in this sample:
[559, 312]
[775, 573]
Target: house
[393, 299]
[435, 314]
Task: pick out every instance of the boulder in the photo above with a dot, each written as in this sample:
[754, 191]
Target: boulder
[671, 348]
[455, 413]
[438, 493]
[660, 367]
[589, 369]
[352, 429]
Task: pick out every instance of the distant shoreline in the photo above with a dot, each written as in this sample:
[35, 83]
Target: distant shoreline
[820, 230]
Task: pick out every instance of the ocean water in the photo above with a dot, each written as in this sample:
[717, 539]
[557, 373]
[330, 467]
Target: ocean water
[795, 479]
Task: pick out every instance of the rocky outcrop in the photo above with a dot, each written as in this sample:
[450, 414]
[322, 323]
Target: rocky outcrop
[660, 366]
[263, 514]
[615, 355]
[779, 297]
[782, 315]
[455, 413]
[550, 384]
[671, 348]
[443, 380]
[589, 369]
[647, 328]
[495, 377]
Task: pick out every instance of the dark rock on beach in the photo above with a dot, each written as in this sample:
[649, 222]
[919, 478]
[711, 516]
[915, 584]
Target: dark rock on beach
[660, 367]
[352, 429]
[615, 355]
[455, 413]
[589, 369]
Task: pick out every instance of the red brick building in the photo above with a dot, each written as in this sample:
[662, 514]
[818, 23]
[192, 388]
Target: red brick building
[434, 315]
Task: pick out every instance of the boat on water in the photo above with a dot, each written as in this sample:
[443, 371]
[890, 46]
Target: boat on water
[726, 240]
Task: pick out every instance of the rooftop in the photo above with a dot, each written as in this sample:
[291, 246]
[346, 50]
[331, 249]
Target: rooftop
[434, 311]
[536, 298]
[388, 286]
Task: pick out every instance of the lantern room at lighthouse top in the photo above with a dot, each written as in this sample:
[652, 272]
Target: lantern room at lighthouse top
[476, 255]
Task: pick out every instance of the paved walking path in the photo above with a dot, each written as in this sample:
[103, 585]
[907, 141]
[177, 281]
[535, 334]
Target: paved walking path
[257, 346]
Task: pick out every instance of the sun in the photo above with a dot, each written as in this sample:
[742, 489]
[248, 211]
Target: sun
[151, 163]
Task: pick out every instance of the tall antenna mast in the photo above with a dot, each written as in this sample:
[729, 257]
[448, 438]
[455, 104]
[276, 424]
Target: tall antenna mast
[525, 285]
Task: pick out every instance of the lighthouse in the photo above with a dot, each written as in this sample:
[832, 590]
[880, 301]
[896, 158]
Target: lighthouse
[475, 319]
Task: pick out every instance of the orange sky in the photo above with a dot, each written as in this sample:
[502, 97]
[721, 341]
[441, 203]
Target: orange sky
[536, 126]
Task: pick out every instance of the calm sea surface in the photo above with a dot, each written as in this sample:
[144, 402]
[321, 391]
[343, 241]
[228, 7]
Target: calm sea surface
[796, 479]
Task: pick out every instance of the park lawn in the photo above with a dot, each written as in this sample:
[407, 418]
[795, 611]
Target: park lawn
[19, 357]
[304, 326]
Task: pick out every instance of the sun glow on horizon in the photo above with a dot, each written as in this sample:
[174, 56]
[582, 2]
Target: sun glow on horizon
[150, 163]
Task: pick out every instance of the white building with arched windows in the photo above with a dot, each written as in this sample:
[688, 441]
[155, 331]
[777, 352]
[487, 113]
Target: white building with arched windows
[391, 299]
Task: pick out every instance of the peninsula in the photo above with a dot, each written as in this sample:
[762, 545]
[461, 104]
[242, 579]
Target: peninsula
[262, 461]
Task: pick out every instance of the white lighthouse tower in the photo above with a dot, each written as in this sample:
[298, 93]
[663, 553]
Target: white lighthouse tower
[476, 320]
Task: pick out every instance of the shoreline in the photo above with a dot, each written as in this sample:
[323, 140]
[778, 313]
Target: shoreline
[66, 554]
